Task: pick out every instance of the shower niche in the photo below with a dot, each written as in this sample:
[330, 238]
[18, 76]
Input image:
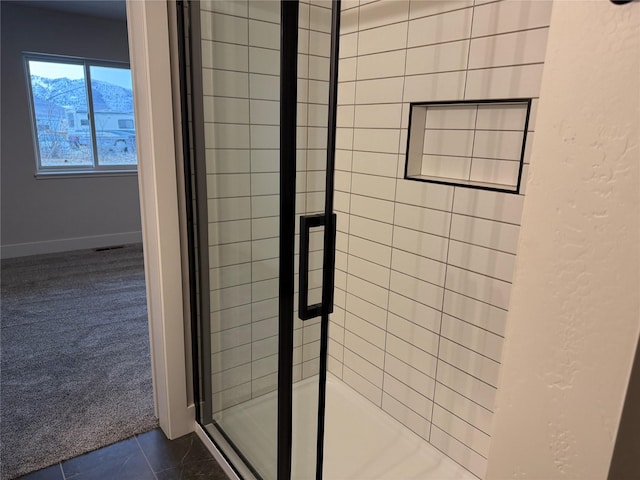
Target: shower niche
[478, 144]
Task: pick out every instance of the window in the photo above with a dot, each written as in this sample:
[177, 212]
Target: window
[82, 114]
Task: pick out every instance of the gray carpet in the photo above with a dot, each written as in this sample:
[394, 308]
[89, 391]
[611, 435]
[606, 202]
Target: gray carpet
[75, 365]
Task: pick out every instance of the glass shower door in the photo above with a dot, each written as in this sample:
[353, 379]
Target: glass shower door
[259, 95]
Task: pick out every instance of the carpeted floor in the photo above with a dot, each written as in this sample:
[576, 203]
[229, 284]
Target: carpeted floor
[75, 366]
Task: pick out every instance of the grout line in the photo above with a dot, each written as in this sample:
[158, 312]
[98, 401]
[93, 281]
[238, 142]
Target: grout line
[250, 203]
[470, 350]
[431, 307]
[537, 27]
[438, 404]
[306, 127]
[409, 20]
[449, 456]
[468, 323]
[488, 410]
[236, 44]
[464, 396]
[473, 142]
[367, 301]
[466, 73]
[384, 104]
[461, 441]
[395, 196]
[365, 360]
[470, 375]
[417, 347]
[432, 377]
[353, 125]
[437, 154]
[453, 198]
[145, 457]
[347, 329]
[495, 67]
[359, 392]
[368, 260]
[391, 269]
[410, 427]
[457, 293]
[227, 370]
[435, 382]
[437, 210]
[436, 44]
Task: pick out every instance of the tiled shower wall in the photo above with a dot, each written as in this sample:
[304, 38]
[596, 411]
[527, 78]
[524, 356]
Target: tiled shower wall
[423, 271]
[241, 87]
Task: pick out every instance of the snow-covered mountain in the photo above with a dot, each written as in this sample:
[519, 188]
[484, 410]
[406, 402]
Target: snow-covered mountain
[63, 92]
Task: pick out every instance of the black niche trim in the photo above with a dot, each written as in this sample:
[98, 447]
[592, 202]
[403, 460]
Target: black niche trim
[454, 182]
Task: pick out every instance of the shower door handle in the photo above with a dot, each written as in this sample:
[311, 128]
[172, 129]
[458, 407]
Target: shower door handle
[307, 222]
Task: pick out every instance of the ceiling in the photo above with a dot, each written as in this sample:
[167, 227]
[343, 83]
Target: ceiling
[111, 9]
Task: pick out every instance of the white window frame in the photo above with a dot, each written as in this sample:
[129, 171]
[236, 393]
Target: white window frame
[75, 170]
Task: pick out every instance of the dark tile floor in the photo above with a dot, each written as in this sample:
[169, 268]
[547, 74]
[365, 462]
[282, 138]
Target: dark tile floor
[148, 456]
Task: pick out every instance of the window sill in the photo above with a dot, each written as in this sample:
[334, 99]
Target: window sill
[84, 174]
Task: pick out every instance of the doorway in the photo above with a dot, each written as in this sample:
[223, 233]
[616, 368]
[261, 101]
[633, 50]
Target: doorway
[75, 341]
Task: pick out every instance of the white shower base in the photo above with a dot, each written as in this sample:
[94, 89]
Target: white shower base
[361, 441]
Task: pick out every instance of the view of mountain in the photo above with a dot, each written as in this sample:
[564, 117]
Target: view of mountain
[63, 92]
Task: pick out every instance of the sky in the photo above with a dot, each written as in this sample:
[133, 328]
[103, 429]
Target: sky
[115, 76]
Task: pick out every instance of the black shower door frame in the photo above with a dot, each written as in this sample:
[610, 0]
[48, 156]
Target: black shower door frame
[189, 38]
[288, 122]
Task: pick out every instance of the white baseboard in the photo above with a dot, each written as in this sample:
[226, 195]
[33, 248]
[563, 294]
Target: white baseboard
[68, 244]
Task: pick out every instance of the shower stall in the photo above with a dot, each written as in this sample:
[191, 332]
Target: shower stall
[357, 173]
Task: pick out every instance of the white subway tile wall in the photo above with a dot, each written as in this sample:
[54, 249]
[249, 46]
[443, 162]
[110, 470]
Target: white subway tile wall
[423, 271]
[241, 83]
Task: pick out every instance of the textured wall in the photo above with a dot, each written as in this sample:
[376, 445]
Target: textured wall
[423, 271]
[575, 313]
[56, 214]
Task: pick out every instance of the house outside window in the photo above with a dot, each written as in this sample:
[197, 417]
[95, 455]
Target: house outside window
[82, 115]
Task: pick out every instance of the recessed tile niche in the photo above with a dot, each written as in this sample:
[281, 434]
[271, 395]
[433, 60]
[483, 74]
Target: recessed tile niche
[477, 144]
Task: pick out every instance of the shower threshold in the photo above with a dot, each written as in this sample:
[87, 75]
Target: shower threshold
[361, 441]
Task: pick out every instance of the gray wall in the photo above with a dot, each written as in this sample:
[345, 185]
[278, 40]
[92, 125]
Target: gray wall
[47, 215]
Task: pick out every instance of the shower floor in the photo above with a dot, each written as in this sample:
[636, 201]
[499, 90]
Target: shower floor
[361, 441]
